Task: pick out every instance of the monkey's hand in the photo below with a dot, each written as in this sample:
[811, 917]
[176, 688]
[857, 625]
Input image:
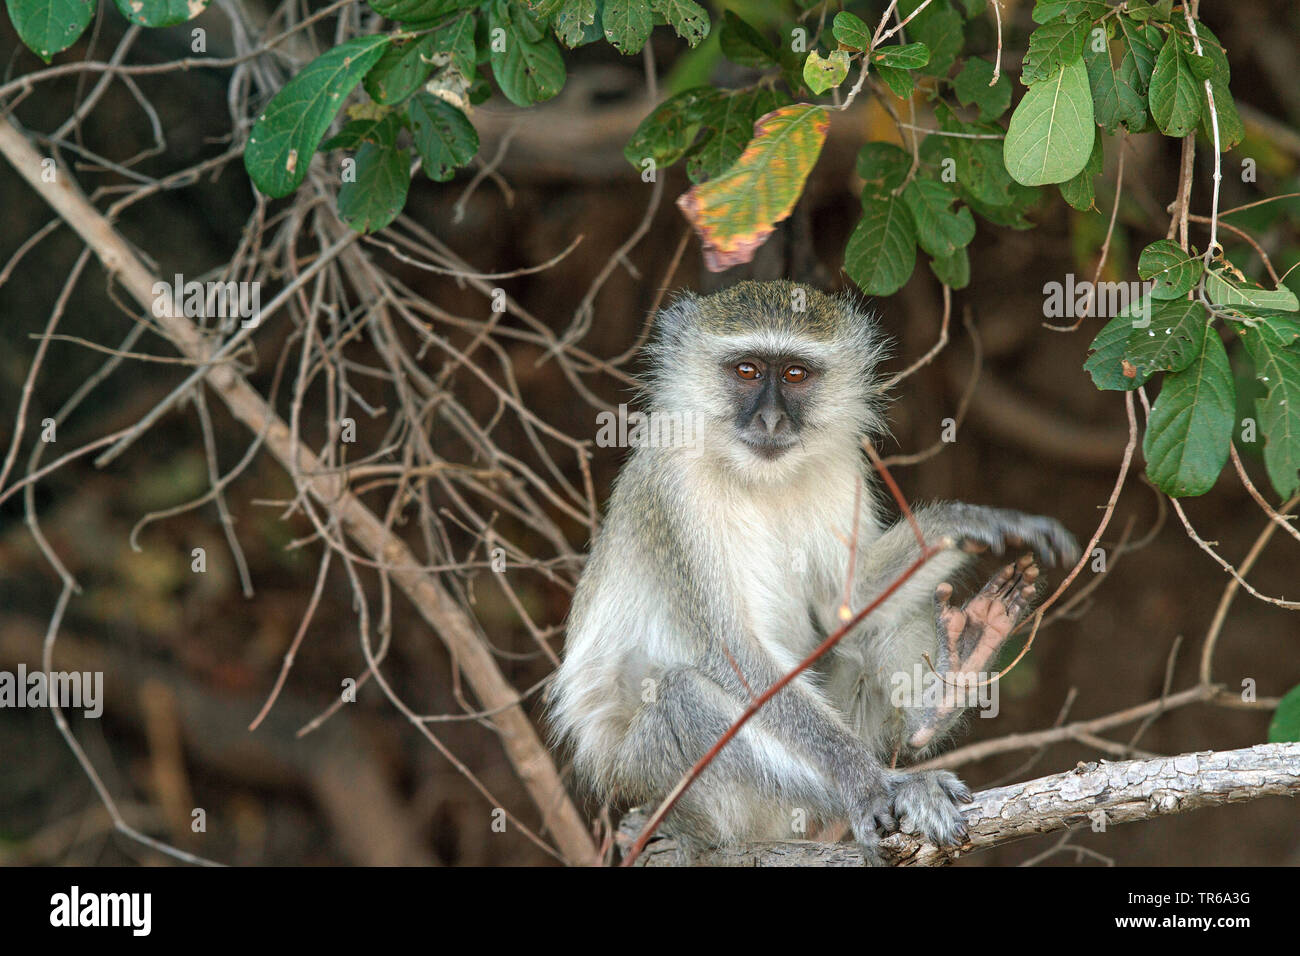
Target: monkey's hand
[976, 528]
[972, 635]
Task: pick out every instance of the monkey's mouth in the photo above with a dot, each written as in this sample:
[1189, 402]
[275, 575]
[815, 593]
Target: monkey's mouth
[769, 449]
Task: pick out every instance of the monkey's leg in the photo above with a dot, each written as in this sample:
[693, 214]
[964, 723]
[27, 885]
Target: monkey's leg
[970, 637]
[756, 787]
[791, 757]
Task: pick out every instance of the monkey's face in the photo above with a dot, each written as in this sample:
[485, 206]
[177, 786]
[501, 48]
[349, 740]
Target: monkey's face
[772, 403]
[771, 395]
[774, 378]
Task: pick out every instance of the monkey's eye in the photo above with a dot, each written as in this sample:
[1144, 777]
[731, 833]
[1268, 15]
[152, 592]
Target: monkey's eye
[747, 371]
[795, 374]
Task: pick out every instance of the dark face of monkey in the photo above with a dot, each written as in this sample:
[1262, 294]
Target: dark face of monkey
[775, 376]
[772, 394]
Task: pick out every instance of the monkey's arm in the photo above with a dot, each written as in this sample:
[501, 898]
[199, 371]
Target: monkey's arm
[961, 530]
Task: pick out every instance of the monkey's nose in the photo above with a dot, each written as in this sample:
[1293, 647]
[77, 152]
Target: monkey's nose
[771, 418]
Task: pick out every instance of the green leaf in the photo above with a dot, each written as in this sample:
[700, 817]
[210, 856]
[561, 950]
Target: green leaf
[456, 40]
[1173, 273]
[1144, 42]
[444, 138]
[527, 70]
[730, 120]
[1231, 130]
[1285, 725]
[900, 81]
[1045, 10]
[1108, 363]
[1175, 99]
[851, 31]
[823, 73]
[1173, 340]
[953, 270]
[940, 28]
[1222, 292]
[48, 27]
[667, 133]
[1050, 136]
[286, 135]
[745, 46]
[907, 56]
[1151, 9]
[418, 11]
[882, 250]
[688, 19]
[381, 130]
[401, 70]
[160, 13]
[1116, 101]
[1078, 191]
[972, 86]
[1051, 47]
[378, 194]
[884, 166]
[939, 230]
[627, 24]
[736, 212]
[1186, 444]
[1214, 62]
[977, 165]
[1271, 344]
[575, 22]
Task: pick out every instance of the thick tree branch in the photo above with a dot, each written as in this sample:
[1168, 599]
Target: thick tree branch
[1125, 791]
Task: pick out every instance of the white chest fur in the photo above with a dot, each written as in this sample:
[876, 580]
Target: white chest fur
[783, 561]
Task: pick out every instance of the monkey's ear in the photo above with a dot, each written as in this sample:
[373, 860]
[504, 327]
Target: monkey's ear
[674, 319]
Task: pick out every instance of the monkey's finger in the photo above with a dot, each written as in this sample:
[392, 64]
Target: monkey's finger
[999, 582]
[1013, 577]
[1047, 537]
[955, 787]
[1021, 602]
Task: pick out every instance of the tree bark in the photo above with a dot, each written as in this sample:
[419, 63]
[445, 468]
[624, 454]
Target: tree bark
[1094, 794]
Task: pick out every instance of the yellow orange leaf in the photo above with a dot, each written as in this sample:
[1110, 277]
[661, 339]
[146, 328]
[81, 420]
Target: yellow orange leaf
[736, 212]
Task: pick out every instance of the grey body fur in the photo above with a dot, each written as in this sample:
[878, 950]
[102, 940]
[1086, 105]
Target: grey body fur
[722, 563]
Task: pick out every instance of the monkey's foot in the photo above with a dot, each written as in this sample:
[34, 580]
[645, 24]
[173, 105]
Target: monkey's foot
[926, 804]
[973, 635]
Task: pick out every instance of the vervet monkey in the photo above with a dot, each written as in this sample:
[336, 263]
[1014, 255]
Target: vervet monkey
[723, 561]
